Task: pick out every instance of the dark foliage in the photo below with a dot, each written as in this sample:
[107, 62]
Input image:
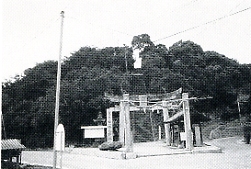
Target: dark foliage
[29, 101]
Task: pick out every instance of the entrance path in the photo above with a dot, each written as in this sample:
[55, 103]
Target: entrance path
[235, 154]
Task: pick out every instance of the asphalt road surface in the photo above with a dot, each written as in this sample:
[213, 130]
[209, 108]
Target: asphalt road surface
[235, 155]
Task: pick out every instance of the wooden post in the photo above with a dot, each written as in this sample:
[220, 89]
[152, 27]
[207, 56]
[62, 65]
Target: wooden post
[17, 161]
[122, 123]
[133, 127]
[239, 110]
[128, 132]
[159, 132]
[109, 125]
[19, 158]
[166, 125]
[198, 135]
[152, 127]
[187, 122]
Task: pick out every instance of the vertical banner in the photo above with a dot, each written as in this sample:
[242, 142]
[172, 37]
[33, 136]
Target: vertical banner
[138, 60]
[109, 125]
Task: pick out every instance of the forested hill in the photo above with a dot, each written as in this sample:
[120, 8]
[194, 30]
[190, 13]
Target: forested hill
[28, 103]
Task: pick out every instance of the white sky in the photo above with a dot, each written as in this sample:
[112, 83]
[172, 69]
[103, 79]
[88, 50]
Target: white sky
[31, 28]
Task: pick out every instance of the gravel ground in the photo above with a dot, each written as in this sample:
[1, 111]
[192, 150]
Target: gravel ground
[235, 155]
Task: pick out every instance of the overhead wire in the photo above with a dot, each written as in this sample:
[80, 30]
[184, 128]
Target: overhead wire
[125, 33]
[181, 6]
[46, 27]
[102, 27]
[236, 6]
[191, 28]
[206, 23]
[52, 21]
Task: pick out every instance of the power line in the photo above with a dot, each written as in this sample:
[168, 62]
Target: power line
[195, 27]
[46, 27]
[236, 6]
[102, 27]
[125, 33]
[181, 6]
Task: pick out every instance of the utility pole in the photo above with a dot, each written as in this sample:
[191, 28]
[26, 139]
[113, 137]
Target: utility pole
[126, 58]
[58, 92]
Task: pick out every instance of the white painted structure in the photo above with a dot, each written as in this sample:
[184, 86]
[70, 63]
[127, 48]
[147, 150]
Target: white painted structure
[94, 131]
[60, 138]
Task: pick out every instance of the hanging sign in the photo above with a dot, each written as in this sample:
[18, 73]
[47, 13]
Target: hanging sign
[60, 138]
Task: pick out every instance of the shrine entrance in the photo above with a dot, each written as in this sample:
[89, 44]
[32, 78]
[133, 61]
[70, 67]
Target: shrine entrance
[145, 125]
[171, 105]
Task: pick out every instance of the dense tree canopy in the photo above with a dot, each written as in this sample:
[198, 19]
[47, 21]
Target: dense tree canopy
[28, 102]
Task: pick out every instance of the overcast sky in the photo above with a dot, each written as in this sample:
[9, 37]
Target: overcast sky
[31, 28]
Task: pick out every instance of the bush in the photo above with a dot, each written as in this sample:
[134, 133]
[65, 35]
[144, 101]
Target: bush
[110, 146]
[216, 133]
[229, 116]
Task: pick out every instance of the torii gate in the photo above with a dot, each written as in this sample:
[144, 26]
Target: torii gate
[164, 102]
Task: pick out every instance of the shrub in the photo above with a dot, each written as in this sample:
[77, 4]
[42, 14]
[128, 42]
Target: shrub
[110, 146]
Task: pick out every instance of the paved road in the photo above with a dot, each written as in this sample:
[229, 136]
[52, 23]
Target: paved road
[235, 155]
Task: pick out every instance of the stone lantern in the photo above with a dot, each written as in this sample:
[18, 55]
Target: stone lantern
[99, 120]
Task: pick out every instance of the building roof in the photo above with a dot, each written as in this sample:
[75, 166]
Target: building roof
[11, 144]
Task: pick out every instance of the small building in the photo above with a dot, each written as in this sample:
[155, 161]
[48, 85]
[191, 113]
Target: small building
[11, 148]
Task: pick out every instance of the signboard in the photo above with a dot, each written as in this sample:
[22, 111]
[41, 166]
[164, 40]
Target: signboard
[60, 138]
[94, 131]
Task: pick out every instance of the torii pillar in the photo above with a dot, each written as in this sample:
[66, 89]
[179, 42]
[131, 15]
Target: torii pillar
[187, 122]
[125, 133]
[122, 122]
[166, 126]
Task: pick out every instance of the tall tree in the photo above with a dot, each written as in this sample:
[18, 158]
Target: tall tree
[142, 41]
